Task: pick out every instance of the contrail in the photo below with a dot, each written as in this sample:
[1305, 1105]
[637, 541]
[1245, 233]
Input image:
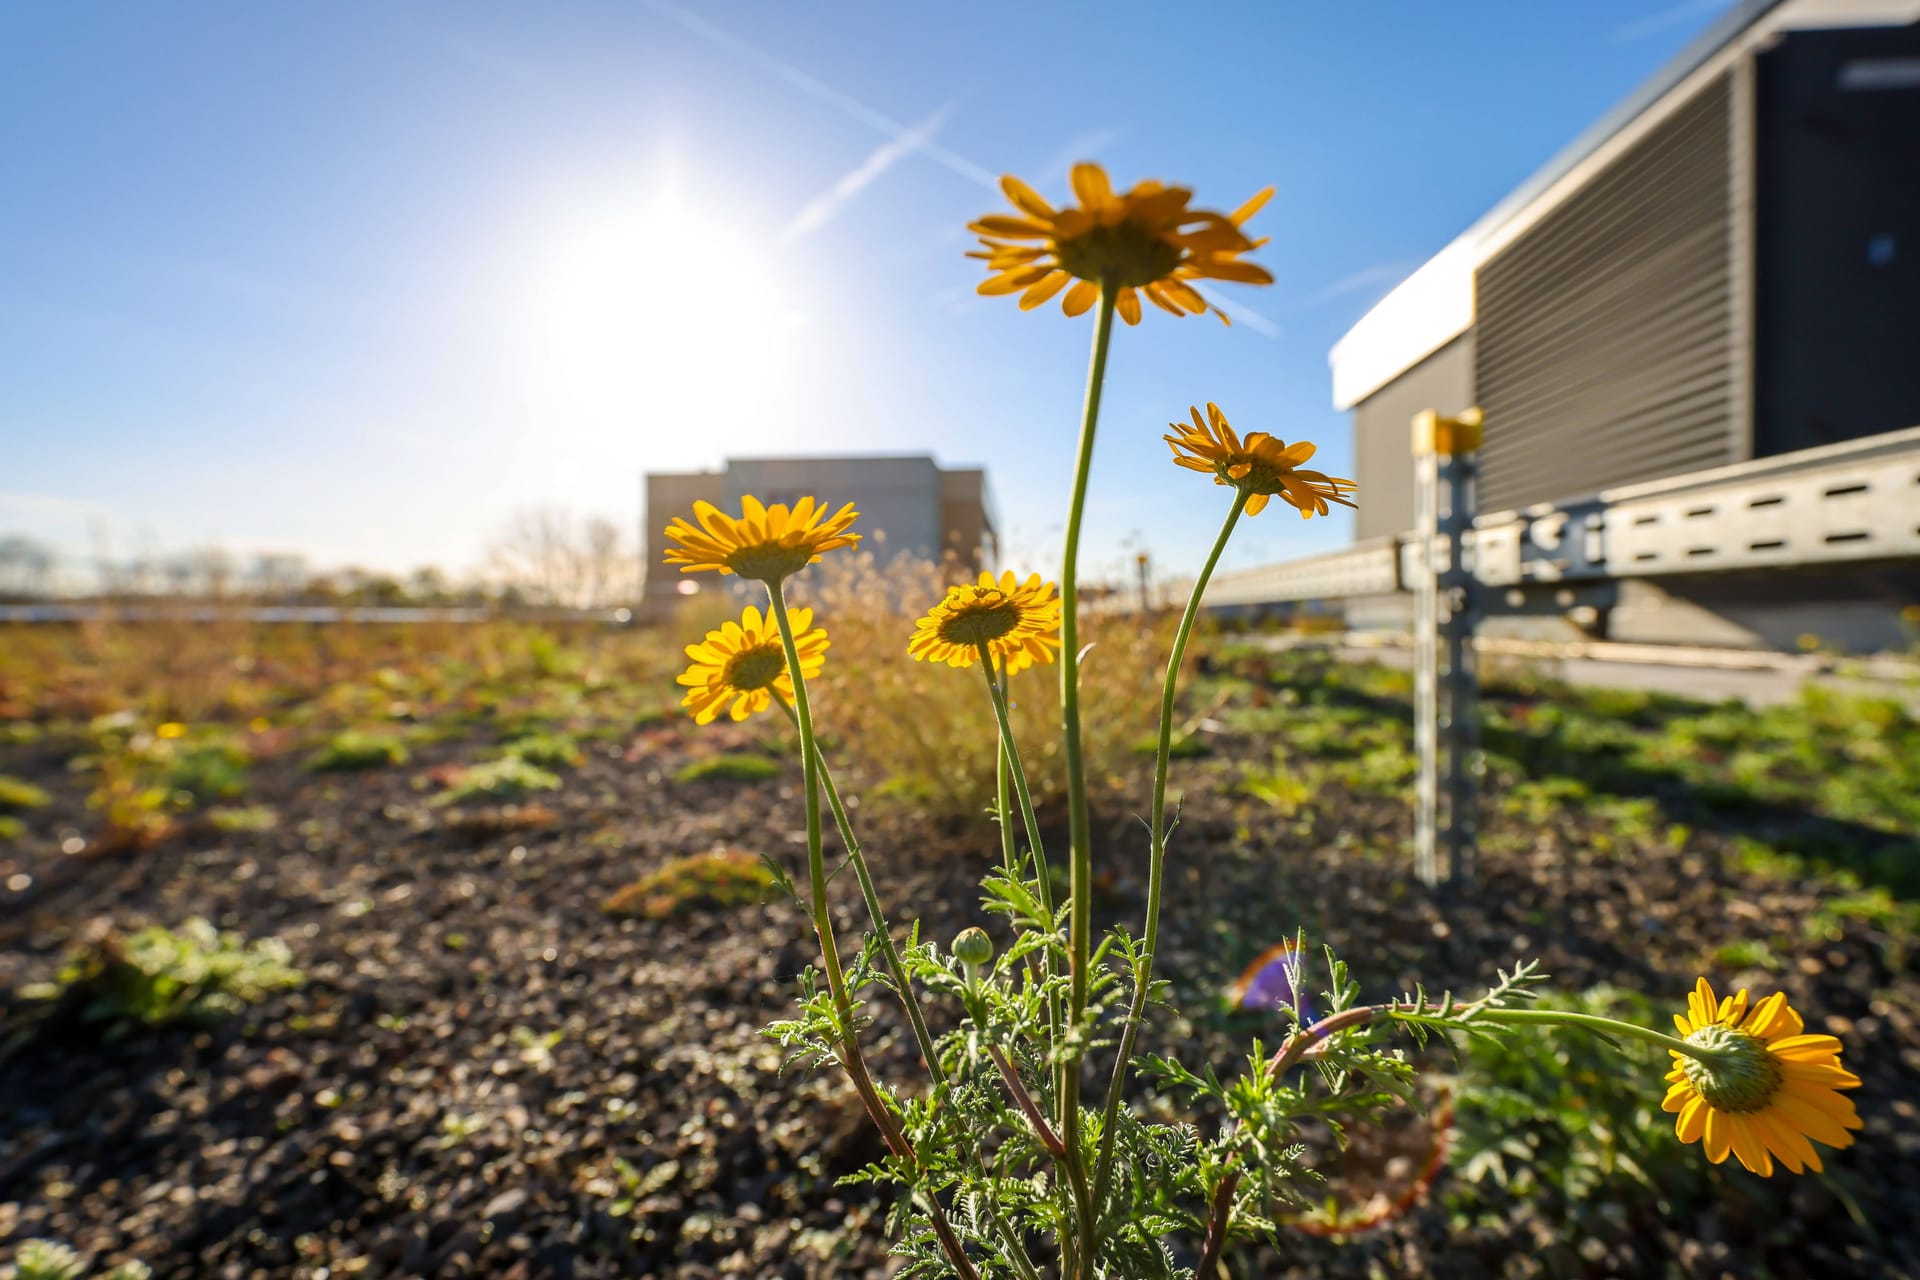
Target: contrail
[823, 208]
[1081, 146]
[1365, 278]
[901, 134]
[1238, 312]
[1653, 24]
[850, 107]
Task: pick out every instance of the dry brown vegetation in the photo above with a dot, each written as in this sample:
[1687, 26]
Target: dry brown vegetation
[929, 729]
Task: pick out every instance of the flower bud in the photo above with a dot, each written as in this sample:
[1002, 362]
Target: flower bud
[972, 947]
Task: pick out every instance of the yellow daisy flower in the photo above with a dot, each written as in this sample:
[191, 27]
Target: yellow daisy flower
[1018, 622]
[764, 543]
[1262, 465]
[1141, 241]
[743, 663]
[1769, 1089]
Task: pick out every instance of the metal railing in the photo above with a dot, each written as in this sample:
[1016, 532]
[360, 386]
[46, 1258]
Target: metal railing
[1856, 501]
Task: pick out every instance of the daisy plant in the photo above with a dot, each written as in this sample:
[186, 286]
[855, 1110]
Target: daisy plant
[1008, 1168]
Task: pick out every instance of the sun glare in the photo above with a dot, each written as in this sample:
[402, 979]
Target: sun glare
[657, 316]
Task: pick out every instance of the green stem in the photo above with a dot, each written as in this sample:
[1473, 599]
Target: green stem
[1010, 755]
[1157, 858]
[1079, 836]
[1002, 797]
[888, 953]
[1590, 1021]
[850, 1056]
[816, 853]
[1011, 751]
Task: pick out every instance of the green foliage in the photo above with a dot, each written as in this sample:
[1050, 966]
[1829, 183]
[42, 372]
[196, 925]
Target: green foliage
[203, 772]
[47, 1259]
[1182, 746]
[50, 1260]
[1287, 790]
[1008, 1179]
[355, 749]
[733, 768]
[545, 750]
[723, 878]
[1833, 779]
[1571, 1124]
[11, 828]
[1745, 953]
[147, 779]
[508, 778]
[243, 820]
[1538, 801]
[17, 795]
[159, 977]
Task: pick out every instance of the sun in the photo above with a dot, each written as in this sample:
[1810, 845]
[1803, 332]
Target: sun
[655, 315]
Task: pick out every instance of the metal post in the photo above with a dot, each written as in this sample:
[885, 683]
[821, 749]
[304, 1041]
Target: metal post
[1446, 609]
[1426, 642]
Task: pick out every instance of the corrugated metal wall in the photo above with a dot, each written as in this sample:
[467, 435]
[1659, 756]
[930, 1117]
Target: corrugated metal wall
[1383, 434]
[1603, 333]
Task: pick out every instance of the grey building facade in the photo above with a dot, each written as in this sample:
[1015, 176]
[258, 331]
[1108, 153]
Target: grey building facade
[909, 506]
[1725, 268]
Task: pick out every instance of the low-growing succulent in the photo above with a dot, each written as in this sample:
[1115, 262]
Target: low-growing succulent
[355, 749]
[158, 977]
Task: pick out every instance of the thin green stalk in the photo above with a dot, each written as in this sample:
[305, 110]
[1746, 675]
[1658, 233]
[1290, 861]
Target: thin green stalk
[1003, 801]
[1157, 857]
[1010, 756]
[1016, 1252]
[816, 853]
[1590, 1021]
[888, 952]
[850, 1055]
[1011, 750]
[1079, 836]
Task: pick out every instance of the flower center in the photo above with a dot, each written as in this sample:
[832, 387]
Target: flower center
[1263, 478]
[768, 561]
[1742, 1075]
[755, 668]
[985, 618]
[1127, 255]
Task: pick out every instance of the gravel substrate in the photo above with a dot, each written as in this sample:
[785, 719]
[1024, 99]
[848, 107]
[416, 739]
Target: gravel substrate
[486, 1076]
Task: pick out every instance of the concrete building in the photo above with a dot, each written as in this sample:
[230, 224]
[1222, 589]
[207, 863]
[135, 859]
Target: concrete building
[1724, 269]
[923, 509]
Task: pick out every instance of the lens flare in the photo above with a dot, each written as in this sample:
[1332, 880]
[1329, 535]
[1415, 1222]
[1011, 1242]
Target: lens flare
[1382, 1170]
[1377, 1172]
[1268, 984]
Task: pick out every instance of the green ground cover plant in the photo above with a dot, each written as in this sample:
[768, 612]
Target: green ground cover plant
[721, 879]
[157, 977]
[730, 768]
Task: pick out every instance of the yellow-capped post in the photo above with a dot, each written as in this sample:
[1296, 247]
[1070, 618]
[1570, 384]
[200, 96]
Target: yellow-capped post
[1433, 434]
[1446, 688]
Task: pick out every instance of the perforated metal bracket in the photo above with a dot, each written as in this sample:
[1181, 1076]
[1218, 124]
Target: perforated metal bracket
[1850, 502]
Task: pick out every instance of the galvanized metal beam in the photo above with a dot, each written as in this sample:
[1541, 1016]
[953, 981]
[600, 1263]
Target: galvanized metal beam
[1858, 501]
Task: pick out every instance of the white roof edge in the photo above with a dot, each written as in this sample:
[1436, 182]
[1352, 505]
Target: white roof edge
[1434, 305]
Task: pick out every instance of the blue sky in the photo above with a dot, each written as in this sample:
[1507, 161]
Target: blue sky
[358, 280]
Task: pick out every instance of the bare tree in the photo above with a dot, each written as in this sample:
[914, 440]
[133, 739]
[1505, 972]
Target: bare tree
[211, 569]
[25, 566]
[276, 575]
[550, 560]
[607, 563]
